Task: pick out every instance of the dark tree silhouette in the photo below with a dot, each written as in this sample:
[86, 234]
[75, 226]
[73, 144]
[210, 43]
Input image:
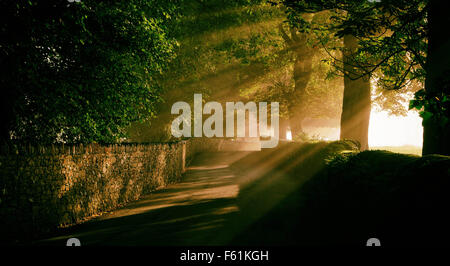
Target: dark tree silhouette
[436, 137]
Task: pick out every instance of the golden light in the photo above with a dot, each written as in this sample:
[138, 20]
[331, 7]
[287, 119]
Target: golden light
[386, 130]
[288, 134]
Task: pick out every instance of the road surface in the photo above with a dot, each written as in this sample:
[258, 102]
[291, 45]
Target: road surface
[202, 209]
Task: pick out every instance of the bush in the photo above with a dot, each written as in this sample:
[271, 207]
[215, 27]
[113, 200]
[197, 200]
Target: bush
[399, 199]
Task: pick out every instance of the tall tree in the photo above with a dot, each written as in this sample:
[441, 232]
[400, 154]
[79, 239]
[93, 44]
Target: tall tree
[356, 103]
[436, 99]
[303, 53]
[400, 42]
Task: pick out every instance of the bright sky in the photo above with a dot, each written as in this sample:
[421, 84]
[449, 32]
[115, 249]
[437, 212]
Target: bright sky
[385, 130]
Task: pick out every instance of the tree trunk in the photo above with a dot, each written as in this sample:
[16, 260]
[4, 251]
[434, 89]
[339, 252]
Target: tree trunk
[357, 102]
[303, 55]
[302, 75]
[436, 137]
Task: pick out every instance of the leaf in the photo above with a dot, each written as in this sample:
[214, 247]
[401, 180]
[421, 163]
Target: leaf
[415, 104]
[444, 121]
[426, 115]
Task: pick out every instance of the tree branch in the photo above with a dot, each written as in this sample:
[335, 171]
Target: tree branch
[285, 36]
[294, 35]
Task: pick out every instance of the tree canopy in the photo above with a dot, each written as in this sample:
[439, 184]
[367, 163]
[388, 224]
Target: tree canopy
[81, 71]
[394, 38]
[234, 50]
[89, 71]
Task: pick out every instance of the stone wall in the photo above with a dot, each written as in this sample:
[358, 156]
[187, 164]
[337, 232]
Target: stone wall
[42, 188]
[196, 145]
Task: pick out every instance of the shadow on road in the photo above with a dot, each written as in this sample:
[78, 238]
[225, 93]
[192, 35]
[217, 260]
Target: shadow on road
[192, 212]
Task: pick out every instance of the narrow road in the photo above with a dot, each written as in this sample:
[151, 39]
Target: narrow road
[199, 210]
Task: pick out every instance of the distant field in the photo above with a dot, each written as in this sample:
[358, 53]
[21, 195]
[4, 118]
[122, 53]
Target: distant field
[408, 149]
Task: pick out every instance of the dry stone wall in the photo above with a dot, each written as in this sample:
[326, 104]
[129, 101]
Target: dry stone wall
[42, 188]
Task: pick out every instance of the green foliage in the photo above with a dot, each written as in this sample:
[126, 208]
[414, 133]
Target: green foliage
[82, 71]
[435, 108]
[234, 50]
[215, 34]
[392, 42]
[320, 97]
[228, 50]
